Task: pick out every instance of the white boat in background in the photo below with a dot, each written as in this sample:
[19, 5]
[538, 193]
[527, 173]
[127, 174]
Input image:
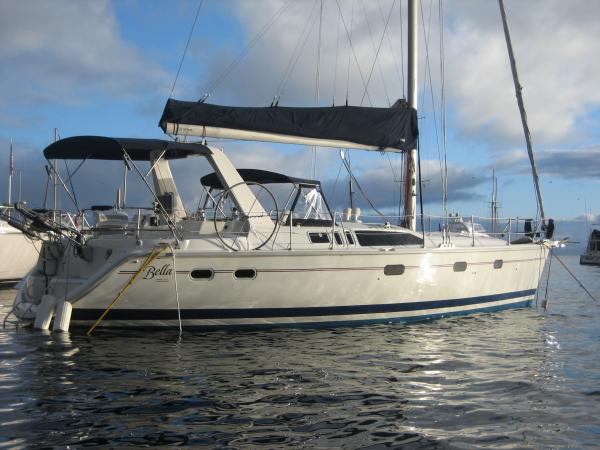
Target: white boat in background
[245, 259]
[592, 251]
[18, 253]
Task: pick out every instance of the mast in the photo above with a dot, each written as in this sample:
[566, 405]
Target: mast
[518, 90]
[11, 168]
[410, 167]
[54, 179]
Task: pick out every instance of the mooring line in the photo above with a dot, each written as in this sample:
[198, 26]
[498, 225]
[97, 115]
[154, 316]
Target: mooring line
[176, 291]
[151, 257]
[575, 278]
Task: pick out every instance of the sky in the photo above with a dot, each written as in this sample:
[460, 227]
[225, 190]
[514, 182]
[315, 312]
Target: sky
[107, 68]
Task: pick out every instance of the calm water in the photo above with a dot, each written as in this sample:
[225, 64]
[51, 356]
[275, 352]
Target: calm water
[515, 379]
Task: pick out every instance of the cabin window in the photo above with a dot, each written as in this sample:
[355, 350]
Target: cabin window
[350, 238]
[338, 238]
[245, 274]
[202, 274]
[394, 269]
[460, 266]
[387, 238]
[319, 238]
[498, 264]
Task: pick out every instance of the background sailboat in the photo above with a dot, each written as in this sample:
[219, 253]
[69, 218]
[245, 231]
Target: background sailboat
[18, 253]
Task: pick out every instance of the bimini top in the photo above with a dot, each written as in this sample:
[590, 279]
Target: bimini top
[390, 129]
[109, 148]
[257, 176]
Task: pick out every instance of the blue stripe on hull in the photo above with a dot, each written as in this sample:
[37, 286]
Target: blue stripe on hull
[341, 323]
[478, 304]
[386, 321]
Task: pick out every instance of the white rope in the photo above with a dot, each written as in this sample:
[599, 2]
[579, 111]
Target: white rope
[176, 290]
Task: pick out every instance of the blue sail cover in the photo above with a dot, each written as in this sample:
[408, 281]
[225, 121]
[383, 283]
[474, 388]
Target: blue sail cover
[394, 127]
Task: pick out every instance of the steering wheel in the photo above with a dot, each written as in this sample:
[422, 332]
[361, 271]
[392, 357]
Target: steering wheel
[230, 239]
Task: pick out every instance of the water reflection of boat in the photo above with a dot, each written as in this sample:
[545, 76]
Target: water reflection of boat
[592, 251]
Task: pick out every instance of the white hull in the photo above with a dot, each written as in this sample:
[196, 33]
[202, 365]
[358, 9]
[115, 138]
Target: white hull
[18, 254]
[303, 288]
[296, 266]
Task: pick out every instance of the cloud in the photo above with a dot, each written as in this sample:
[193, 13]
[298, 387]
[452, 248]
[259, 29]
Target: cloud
[570, 163]
[68, 52]
[554, 43]
[556, 52]
[378, 184]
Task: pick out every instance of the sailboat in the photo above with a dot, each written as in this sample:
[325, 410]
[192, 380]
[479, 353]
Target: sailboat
[243, 260]
[18, 253]
[591, 256]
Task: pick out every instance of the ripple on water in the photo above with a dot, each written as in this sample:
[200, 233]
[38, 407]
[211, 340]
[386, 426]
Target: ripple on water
[515, 379]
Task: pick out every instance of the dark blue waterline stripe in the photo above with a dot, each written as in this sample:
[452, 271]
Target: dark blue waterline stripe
[337, 323]
[314, 311]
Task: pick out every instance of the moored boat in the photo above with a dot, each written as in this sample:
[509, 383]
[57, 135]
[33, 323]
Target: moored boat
[247, 259]
[592, 251]
[18, 253]
[240, 265]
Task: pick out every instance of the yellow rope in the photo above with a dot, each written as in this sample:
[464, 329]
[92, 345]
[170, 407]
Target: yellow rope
[151, 257]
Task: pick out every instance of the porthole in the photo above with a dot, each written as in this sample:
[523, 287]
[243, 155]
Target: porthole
[394, 269]
[245, 274]
[202, 274]
[460, 266]
[498, 264]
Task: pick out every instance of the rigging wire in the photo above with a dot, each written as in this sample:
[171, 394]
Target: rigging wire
[389, 42]
[319, 43]
[402, 51]
[233, 64]
[426, 36]
[295, 56]
[349, 49]
[317, 81]
[187, 44]
[349, 169]
[337, 48]
[443, 105]
[354, 53]
[376, 58]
